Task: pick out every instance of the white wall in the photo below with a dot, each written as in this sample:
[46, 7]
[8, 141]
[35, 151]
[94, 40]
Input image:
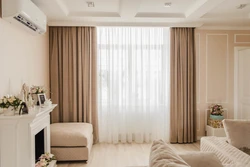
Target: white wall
[23, 58]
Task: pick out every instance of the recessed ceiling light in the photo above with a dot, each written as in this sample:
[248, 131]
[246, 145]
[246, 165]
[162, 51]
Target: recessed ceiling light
[241, 6]
[167, 4]
[91, 4]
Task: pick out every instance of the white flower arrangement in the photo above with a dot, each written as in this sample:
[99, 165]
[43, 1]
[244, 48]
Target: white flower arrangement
[37, 89]
[45, 159]
[10, 101]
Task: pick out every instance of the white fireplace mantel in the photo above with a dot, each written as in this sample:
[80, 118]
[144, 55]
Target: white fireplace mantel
[17, 136]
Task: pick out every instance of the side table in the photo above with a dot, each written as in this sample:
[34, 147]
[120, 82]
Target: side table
[219, 132]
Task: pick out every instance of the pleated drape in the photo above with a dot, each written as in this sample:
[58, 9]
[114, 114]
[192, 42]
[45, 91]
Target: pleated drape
[182, 86]
[73, 75]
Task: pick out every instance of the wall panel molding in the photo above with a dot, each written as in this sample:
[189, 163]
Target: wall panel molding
[242, 38]
[0, 8]
[216, 64]
[198, 67]
[198, 119]
[225, 113]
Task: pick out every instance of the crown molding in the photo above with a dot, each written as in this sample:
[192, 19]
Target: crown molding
[139, 24]
[223, 28]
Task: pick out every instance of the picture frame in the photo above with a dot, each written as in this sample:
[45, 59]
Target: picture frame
[41, 98]
[23, 109]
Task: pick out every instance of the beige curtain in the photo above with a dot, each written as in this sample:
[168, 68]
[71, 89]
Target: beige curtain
[73, 75]
[183, 86]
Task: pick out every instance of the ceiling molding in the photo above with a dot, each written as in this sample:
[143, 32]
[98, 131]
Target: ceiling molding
[135, 24]
[63, 7]
[228, 16]
[93, 14]
[195, 7]
[218, 14]
[160, 15]
[129, 8]
[202, 7]
[205, 27]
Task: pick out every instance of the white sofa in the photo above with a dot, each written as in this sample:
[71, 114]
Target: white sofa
[228, 154]
[215, 151]
[228, 149]
[162, 155]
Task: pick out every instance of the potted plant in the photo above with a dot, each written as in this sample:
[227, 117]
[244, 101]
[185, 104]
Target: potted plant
[10, 104]
[216, 112]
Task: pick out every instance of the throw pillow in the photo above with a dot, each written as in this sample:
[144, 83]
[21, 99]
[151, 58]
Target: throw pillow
[237, 132]
[162, 155]
[201, 159]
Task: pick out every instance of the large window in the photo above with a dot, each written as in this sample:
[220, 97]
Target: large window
[133, 84]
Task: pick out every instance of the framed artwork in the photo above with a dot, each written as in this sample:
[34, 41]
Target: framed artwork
[23, 109]
[41, 98]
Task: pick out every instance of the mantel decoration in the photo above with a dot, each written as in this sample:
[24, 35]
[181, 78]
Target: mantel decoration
[216, 116]
[10, 104]
[35, 90]
[45, 159]
[24, 94]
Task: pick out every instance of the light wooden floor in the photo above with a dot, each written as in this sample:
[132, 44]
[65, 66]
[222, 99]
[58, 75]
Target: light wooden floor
[123, 155]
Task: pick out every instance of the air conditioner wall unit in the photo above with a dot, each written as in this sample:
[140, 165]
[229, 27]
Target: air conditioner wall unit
[25, 14]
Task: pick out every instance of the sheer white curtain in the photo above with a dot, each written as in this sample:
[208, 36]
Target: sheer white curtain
[133, 84]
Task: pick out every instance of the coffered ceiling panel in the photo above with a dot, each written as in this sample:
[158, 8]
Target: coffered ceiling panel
[181, 13]
[100, 5]
[230, 9]
[177, 6]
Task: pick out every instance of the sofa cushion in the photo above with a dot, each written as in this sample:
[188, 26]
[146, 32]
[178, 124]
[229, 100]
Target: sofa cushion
[201, 159]
[70, 134]
[162, 155]
[226, 153]
[237, 132]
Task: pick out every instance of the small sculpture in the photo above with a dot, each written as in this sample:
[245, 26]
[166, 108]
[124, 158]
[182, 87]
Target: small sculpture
[30, 102]
[24, 92]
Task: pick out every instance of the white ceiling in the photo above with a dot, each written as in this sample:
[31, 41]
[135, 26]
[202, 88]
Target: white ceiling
[194, 13]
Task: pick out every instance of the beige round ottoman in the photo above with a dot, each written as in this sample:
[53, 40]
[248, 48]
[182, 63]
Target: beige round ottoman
[71, 141]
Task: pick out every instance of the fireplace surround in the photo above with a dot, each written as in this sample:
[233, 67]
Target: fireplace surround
[39, 145]
[18, 137]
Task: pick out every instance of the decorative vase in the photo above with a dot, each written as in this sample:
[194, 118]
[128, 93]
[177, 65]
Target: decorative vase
[1, 110]
[217, 117]
[10, 111]
[35, 98]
